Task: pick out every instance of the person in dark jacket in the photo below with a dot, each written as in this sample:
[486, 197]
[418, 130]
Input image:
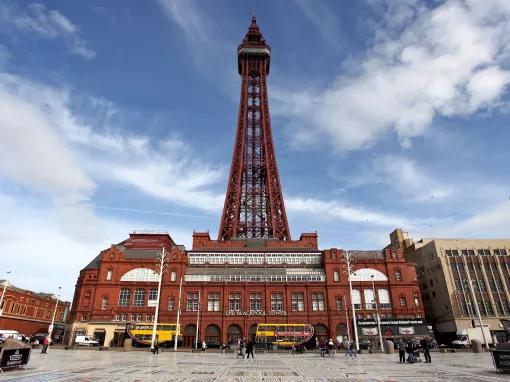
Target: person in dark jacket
[249, 349]
[401, 346]
[425, 345]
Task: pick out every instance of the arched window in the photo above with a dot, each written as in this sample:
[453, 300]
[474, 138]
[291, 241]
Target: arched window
[398, 275]
[140, 274]
[365, 274]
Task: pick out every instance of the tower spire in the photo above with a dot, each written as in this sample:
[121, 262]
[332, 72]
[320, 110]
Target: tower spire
[254, 206]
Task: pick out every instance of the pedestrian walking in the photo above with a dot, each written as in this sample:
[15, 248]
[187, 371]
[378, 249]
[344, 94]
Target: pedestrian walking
[353, 350]
[155, 350]
[401, 346]
[45, 345]
[249, 349]
[347, 347]
[204, 346]
[425, 345]
[322, 347]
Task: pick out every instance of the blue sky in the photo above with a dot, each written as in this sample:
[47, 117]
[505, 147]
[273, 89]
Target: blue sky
[117, 116]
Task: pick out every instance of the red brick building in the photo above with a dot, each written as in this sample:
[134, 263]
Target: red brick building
[31, 312]
[241, 283]
[254, 272]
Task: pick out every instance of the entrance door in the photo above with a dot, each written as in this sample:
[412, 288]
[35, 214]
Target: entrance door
[188, 336]
[235, 333]
[100, 336]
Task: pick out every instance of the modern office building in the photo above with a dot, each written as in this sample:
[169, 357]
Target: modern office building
[447, 267]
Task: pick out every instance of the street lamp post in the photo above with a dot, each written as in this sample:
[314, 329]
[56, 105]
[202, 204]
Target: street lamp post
[347, 320]
[162, 256]
[198, 321]
[469, 284]
[3, 293]
[349, 267]
[50, 329]
[178, 317]
[377, 314]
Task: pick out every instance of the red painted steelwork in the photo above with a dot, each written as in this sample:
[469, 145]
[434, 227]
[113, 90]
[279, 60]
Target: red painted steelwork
[254, 206]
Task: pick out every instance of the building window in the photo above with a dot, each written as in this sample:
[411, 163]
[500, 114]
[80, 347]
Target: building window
[153, 294]
[277, 301]
[403, 301]
[339, 303]
[124, 297]
[149, 318]
[173, 276]
[117, 317]
[213, 302]
[356, 298]
[298, 302]
[384, 298]
[255, 301]
[139, 297]
[192, 301]
[416, 299]
[336, 276]
[139, 317]
[104, 303]
[109, 275]
[234, 301]
[317, 302]
[170, 303]
[369, 298]
[124, 317]
[398, 275]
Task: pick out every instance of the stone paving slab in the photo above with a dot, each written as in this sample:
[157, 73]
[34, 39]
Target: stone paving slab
[87, 366]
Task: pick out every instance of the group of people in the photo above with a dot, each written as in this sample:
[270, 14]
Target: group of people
[412, 348]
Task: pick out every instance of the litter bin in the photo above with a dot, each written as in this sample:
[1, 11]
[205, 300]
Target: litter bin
[128, 344]
[389, 347]
[476, 346]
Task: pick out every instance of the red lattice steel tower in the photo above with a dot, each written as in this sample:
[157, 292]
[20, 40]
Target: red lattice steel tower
[254, 206]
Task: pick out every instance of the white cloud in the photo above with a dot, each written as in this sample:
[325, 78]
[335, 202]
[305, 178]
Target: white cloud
[188, 15]
[449, 60]
[50, 24]
[337, 210]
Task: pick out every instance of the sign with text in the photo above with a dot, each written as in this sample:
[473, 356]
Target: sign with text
[14, 357]
[406, 330]
[230, 313]
[392, 321]
[501, 359]
[369, 331]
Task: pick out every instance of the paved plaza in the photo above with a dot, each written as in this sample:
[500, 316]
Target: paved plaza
[92, 365]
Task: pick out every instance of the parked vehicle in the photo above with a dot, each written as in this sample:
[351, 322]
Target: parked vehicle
[86, 341]
[464, 339]
[11, 334]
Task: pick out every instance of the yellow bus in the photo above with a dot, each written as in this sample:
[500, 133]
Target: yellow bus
[283, 335]
[141, 333]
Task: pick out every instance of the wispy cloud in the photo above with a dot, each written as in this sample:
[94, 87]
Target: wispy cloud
[450, 60]
[40, 21]
[324, 19]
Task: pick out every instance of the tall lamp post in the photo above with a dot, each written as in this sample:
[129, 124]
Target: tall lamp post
[377, 314]
[3, 293]
[349, 267]
[347, 321]
[178, 317]
[469, 284]
[198, 321]
[162, 257]
[50, 329]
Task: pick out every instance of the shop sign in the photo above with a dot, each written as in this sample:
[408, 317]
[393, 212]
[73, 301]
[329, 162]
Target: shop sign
[14, 357]
[389, 321]
[406, 330]
[501, 359]
[230, 313]
[369, 331]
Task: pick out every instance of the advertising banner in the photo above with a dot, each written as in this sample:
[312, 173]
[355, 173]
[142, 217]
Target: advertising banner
[406, 330]
[14, 357]
[369, 331]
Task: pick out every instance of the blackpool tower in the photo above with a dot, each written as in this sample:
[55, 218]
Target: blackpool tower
[254, 206]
